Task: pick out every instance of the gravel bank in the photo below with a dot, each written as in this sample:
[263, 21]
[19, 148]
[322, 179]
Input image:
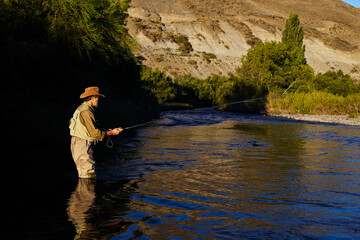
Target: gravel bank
[339, 119]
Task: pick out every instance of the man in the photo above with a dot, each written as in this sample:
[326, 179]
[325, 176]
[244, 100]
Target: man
[85, 133]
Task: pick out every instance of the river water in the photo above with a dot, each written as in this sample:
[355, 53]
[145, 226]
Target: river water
[217, 175]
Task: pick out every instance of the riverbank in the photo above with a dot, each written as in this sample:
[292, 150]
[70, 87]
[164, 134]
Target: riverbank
[338, 119]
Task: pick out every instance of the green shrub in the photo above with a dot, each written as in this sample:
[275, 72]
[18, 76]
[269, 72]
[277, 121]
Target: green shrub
[159, 84]
[192, 62]
[208, 56]
[183, 42]
[336, 83]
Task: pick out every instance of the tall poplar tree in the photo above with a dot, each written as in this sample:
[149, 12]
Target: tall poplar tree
[292, 37]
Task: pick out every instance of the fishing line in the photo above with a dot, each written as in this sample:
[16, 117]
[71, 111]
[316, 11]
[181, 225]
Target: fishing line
[110, 144]
[232, 103]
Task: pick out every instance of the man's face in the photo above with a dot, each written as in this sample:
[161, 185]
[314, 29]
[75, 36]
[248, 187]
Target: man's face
[95, 101]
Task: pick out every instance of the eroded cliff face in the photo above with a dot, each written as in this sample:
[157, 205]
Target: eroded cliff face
[204, 37]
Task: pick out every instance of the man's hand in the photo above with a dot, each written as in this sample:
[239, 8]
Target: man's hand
[113, 132]
[118, 130]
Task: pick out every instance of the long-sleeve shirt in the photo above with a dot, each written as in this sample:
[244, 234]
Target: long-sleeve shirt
[87, 119]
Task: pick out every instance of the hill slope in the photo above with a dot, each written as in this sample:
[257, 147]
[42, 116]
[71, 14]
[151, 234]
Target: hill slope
[204, 37]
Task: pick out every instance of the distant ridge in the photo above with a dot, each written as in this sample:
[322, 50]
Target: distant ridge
[204, 37]
[352, 3]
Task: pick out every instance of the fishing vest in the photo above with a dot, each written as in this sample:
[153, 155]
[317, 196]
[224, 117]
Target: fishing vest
[76, 128]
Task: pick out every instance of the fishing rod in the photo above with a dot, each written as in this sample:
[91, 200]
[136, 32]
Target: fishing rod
[139, 125]
[109, 142]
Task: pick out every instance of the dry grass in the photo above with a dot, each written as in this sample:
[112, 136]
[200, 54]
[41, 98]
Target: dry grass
[314, 103]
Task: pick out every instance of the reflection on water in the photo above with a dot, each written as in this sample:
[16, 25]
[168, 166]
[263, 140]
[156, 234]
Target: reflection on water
[201, 175]
[80, 202]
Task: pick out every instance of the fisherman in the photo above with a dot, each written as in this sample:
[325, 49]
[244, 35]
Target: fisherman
[85, 133]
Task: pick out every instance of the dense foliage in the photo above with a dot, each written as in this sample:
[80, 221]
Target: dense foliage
[89, 29]
[159, 84]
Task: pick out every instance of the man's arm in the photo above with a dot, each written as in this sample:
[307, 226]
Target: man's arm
[88, 120]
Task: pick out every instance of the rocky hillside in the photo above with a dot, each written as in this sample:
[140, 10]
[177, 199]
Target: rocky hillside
[204, 37]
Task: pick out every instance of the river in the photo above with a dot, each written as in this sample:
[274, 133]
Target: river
[211, 175]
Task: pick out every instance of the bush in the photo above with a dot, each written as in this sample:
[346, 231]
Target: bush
[336, 83]
[159, 84]
[183, 42]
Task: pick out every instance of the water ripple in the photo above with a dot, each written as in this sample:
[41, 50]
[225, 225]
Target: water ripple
[169, 203]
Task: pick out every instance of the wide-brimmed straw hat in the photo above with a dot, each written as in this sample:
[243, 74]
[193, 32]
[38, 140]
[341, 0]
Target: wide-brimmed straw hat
[91, 91]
